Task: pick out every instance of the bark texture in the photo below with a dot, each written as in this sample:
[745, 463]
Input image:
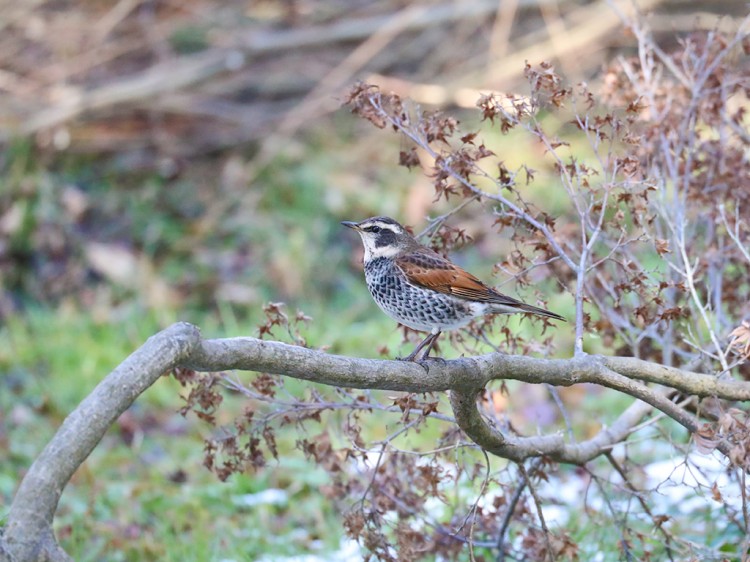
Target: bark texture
[28, 534]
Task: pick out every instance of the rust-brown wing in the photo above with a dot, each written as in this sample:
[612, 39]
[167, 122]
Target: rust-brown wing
[432, 271]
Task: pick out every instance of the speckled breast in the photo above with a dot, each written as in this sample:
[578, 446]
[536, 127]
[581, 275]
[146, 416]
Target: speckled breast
[418, 308]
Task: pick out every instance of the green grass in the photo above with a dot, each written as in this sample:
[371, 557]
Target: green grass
[150, 498]
[123, 503]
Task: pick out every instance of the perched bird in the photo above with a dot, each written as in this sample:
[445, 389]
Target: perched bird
[423, 290]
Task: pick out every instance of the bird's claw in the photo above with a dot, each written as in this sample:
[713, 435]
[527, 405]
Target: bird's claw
[425, 362]
[440, 360]
[422, 361]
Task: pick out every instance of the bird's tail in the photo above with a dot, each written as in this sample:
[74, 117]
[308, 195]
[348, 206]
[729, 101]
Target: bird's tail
[523, 307]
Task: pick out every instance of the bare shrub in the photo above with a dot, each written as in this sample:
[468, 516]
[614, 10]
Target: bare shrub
[651, 246]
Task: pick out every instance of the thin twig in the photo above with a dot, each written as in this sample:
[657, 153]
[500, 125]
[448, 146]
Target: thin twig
[639, 496]
[616, 514]
[420, 141]
[538, 503]
[734, 233]
[435, 224]
[508, 517]
[563, 410]
[473, 511]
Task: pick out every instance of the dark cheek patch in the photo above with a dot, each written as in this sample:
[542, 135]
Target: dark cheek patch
[385, 238]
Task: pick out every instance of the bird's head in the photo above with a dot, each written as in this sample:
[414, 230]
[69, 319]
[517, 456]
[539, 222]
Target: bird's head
[382, 237]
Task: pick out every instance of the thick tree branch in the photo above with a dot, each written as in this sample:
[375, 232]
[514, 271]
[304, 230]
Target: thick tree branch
[28, 531]
[251, 354]
[685, 381]
[553, 446]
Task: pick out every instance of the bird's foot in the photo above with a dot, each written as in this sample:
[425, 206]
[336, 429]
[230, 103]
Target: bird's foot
[440, 360]
[412, 358]
[425, 362]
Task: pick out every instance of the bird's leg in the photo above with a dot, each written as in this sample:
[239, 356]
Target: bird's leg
[434, 339]
[428, 342]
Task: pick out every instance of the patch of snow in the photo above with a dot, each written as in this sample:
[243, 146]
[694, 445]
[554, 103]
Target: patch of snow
[271, 496]
[349, 551]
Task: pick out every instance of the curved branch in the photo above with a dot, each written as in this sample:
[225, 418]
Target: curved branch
[580, 369]
[28, 530]
[28, 534]
[553, 446]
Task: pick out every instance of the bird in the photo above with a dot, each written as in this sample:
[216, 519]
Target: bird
[421, 289]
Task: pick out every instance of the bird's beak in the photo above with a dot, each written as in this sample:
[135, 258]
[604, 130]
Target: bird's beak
[350, 224]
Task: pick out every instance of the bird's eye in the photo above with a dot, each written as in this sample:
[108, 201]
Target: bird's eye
[374, 229]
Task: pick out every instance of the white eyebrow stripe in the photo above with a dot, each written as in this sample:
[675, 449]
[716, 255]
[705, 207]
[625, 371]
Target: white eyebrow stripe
[386, 225]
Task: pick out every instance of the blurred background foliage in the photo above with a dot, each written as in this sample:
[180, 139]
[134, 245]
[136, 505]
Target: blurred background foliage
[168, 161]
